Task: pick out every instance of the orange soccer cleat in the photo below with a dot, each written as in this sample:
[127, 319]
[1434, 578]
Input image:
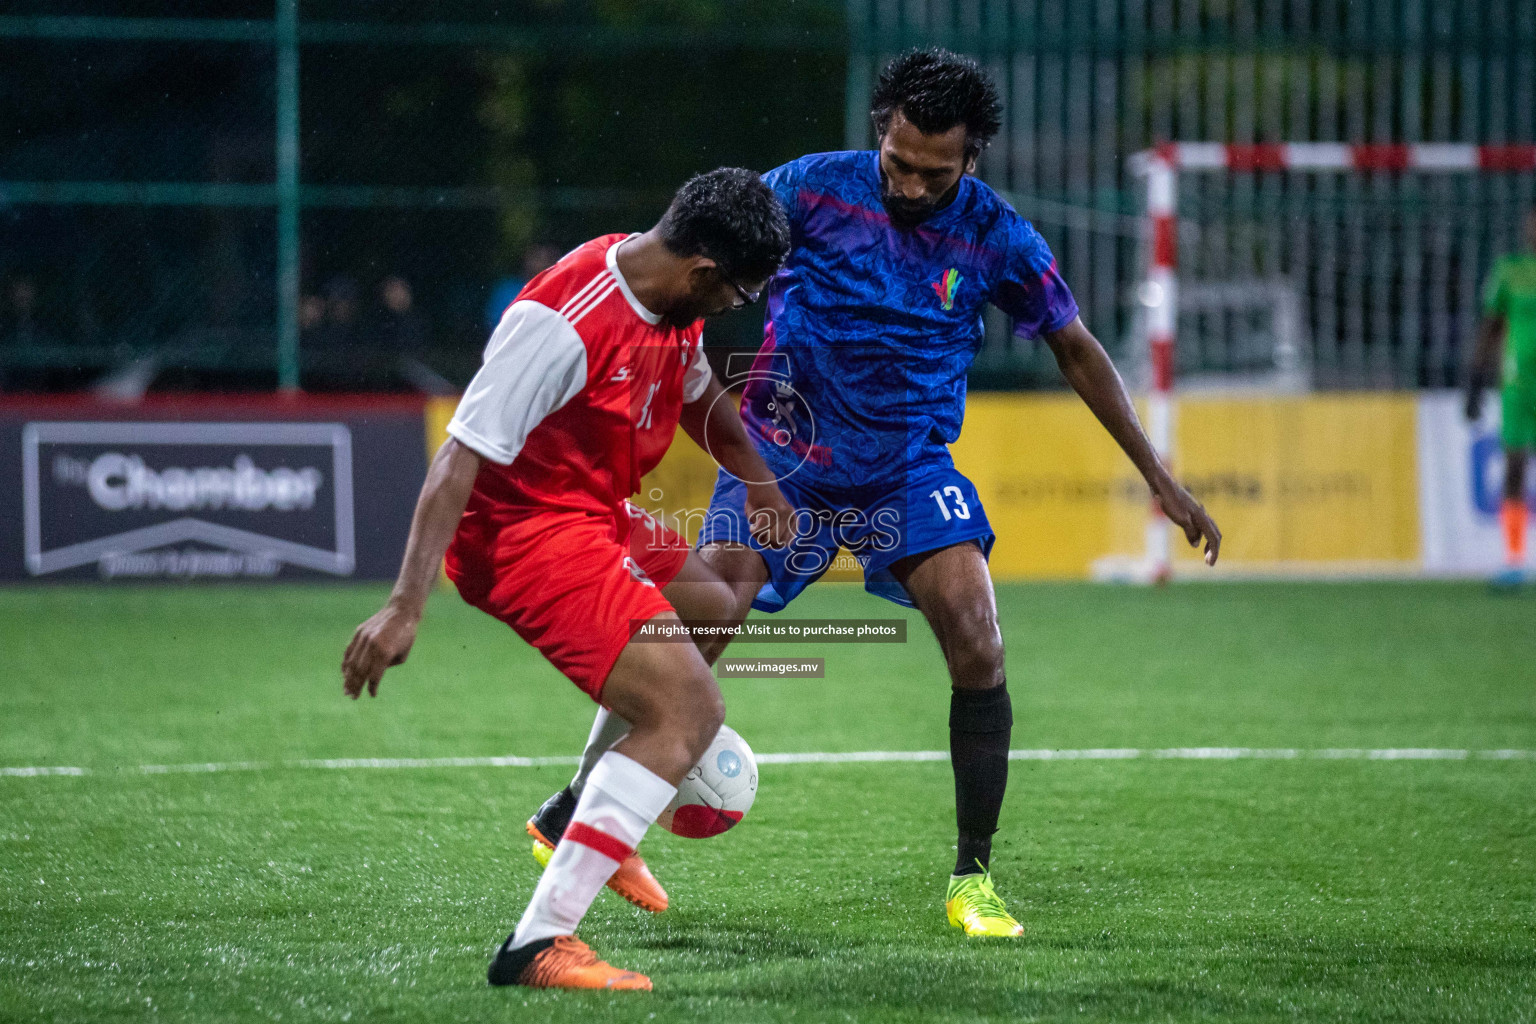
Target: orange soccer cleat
[633, 880]
[561, 962]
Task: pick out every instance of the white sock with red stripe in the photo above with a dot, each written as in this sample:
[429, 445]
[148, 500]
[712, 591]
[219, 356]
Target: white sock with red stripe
[621, 799]
[607, 729]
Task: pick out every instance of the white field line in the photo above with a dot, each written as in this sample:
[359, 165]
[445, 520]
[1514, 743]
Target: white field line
[850, 757]
[435, 762]
[34, 772]
[855, 756]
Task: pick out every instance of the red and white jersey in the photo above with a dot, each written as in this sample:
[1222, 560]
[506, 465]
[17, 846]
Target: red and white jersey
[580, 391]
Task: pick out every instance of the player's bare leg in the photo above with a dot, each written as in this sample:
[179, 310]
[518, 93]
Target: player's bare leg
[700, 592]
[1513, 515]
[673, 704]
[741, 570]
[953, 590]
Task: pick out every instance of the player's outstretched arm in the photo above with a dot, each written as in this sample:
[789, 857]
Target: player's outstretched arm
[1093, 376]
[386, 638]
[1485, 362]
[715, 426]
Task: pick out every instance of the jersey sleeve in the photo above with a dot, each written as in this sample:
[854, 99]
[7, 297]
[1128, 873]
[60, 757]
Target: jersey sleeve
[696, 378]
[534, 363]
[785, 180]
[1028, 286]
[1495, 294]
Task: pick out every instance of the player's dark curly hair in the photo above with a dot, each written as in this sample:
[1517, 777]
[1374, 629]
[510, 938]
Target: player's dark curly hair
[730, 216]
[936, 90]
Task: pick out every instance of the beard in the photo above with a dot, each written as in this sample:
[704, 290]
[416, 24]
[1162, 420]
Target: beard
[909, 213]
[689, 311]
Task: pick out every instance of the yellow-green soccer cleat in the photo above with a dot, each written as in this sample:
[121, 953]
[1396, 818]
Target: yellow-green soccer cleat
[972, 904]
[542, 853]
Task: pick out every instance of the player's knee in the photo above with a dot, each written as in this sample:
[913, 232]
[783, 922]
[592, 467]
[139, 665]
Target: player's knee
[738, 603]
[694, 715]
[743, 593]
[734, 611]
[717, 601]
[677, 718]
[709, 716]
[741, 569]
[974, 647]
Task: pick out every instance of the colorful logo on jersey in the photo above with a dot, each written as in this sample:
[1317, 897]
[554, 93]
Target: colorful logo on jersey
[946, 287]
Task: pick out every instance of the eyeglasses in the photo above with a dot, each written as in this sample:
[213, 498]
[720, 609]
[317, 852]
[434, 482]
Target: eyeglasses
[747, 298]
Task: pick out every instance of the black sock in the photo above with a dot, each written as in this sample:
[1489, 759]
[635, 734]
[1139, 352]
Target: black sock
[980, 726]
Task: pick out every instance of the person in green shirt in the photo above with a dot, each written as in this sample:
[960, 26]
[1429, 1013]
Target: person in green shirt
[1508, 328]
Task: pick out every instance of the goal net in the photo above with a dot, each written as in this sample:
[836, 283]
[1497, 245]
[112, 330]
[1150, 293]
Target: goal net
[1313, 267]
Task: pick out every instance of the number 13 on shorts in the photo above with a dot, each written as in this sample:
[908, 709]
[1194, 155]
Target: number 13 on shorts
[956, 502]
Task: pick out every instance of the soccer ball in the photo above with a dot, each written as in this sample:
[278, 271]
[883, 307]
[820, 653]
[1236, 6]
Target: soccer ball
[717, 793]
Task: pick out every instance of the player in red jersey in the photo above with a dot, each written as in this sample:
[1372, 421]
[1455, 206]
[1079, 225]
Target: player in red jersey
[584, 383]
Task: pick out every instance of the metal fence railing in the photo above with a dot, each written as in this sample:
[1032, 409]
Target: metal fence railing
[331, 193]
[1087, 84]
[142, 177]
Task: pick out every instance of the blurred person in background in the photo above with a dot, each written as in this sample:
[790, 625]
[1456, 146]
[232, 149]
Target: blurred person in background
[21, 312]
[399, 329]
[334, 355]
[401, 337]
[537, 258]
[311, 324]
[311, 314]
[19, 330]
[339, 329]
[1506, 351]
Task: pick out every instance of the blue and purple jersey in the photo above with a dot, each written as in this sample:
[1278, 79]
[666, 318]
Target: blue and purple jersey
[870, 329]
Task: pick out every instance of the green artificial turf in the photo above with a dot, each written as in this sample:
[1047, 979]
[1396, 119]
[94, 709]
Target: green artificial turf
[1150, 889]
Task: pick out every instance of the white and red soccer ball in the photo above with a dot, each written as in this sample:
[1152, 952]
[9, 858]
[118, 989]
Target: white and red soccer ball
[717, 793]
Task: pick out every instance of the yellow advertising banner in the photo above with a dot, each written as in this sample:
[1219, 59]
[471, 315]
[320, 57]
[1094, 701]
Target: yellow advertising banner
[1057, 489]
[436, 416]
[1306, 483]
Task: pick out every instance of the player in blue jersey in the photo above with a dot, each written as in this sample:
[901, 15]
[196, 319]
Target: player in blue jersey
[859, 390]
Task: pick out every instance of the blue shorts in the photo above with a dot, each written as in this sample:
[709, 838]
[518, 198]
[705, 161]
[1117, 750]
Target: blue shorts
[934, 508]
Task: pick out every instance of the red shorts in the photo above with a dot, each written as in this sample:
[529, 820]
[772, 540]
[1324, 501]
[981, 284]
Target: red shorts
[573, 584]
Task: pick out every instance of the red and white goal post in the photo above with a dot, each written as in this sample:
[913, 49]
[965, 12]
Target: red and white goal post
[1161, 168]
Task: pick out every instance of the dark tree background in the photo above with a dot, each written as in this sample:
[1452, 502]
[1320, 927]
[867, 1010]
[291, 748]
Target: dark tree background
[545, 123]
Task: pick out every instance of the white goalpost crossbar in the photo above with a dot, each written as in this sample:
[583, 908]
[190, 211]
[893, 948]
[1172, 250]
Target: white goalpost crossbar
[1161, 167]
